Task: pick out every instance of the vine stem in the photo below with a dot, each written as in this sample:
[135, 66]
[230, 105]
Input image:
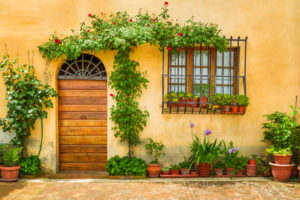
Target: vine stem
[42, 135]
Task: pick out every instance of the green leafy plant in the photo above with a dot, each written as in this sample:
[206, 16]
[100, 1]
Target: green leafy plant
[282, 132]
[241, 163]
[186, 164]
[2, 147]
[30, 165]
[231, 156]
[226, 100]
[27, 98]
[220, 164]
[125, 166]
[11, 156]
[123, 33]
[154, 150]
[165, 169]
[171, 96]
[175, 167]
[241, 100]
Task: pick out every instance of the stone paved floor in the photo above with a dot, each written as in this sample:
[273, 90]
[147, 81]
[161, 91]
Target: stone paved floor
[148, 189]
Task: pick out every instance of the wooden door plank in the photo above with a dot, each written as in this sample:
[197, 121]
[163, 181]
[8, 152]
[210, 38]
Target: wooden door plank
[83, 100]
[94, 108]
[82, 93]
[82, 166]
[82, 85]
[82, 158]
[82, 140]
[83, 148]
[82, 131]
[86, 115]
[82, 123]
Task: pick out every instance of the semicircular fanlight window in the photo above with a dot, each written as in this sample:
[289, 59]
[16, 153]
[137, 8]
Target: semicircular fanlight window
[86, 66]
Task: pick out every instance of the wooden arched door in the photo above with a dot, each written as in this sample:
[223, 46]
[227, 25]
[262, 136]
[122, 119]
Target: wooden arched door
[82, 112]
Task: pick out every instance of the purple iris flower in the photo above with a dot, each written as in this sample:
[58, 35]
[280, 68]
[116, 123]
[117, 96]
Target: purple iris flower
[207, 132]
[235, 149]
[234, 104]
[230, 151]
[192, 125]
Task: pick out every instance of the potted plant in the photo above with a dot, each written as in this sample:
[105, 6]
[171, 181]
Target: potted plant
[174, 169]
[242, 101]
[281, 132]
[203, 91]
[185, 166]
[251, 168]
[234, 106]
[240, 165]
[219, 168]
[205, 152]
[226, 103]
[231, 159]
[165, 171]
[154, 150]
[10, 168]
[172, 99]
[189, 99]
[252, 161]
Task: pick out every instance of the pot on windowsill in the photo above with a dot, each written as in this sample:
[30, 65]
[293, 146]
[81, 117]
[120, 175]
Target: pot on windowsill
[9, 173]
[229, 171]
[226, 109]
[281, 172]
[282, 159]
[153, 170]
[204, 101]
[204, 169]
[189, 103]
[242, 109]
[234, 109]
[218, 172]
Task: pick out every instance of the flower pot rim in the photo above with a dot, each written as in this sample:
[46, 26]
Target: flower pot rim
[282, 155]
[153, 165]
[2, 167]
[281, 165]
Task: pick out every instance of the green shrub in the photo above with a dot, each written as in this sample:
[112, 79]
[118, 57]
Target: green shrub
[124, 166]
[11, 156]
[30, 165]
[154, 150]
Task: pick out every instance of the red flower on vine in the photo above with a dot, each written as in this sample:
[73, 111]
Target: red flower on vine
[111, 94]
[95, 38]
[88, 30]
[57, 41]
[170, 48]
[166, 3]
[154, 21]
[90, 14]
[172, 35]
[178, 50]
[180, 34]
[114, 23]
[130, 20]
[148, 25]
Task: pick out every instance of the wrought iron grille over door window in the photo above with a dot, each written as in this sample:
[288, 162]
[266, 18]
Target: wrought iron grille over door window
[86, 67]
[198, 73]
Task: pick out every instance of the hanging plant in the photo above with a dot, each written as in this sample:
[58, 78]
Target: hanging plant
[122, 32]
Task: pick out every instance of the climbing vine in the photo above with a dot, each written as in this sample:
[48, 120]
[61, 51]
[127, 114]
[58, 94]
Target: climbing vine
[26, 98]
[123, 33]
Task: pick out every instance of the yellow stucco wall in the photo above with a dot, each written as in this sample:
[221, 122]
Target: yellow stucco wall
[273, 65]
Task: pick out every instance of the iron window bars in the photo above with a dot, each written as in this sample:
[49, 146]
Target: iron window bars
[223, 73]
[85, 67]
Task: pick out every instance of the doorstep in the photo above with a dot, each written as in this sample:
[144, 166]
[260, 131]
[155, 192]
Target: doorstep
[70, 175]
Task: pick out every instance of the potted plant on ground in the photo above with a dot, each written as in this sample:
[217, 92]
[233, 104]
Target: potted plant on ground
[231, 159]
[185, 166]
[165, 171]
[154, 150]
[226, 103]
[206, 152]
[174, 169]
[281, 132]
[10, 168]
[219, 168]
[251, 168]
[240, 165]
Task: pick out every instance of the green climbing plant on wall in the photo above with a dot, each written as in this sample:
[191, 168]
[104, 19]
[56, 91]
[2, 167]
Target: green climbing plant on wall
[123, 33]
[27, 98]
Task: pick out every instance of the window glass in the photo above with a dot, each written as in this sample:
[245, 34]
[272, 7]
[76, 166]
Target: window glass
[204, 58]
[178, 58]
[226, 59]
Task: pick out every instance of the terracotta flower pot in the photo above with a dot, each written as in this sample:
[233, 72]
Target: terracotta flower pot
[193, 172]
[281, 159]
[10, 173]
[153, 170]
[242, 109]
[281, 172]
[251, 170]
[234, 109]
[226, 108]
[218, 171]
[174, 172]
[204, 100]
[229, 171]
[240, 173]
[204, 169]
[294, 173]
[252, 162]
[184, 171]
[165, 172]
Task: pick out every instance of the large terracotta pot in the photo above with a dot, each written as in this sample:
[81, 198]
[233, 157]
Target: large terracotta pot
[281, 159]
[204, 169]
[281, 172]
[229, 171]
[10, 173]
[251, 170]
[153, 170]
[218, 172]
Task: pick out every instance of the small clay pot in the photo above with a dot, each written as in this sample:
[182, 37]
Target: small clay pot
[204, 169]
[229, 171]
[193, 172]
[184, 171]
[234, 109]
[165, 172]
[252, 162]
[242, 109]
[251, 170]
[9, 173]
[226, 108]
[153, 170]
[204, 100]
[174, 172]
[240, 173]
[218, 172]
[281, 172]
[281, 159]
